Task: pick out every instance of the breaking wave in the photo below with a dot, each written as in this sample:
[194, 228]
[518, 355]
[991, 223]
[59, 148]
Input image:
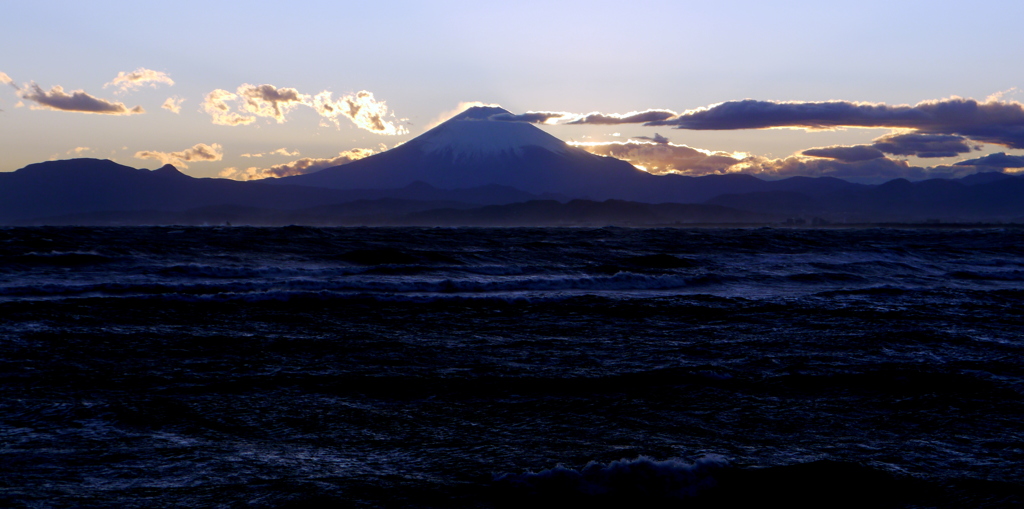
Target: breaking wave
[627, 480]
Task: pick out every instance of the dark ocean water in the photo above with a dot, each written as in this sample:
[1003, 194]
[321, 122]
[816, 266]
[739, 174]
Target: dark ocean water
[404, 367]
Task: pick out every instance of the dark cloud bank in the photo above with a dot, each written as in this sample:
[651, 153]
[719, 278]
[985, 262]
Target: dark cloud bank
[78, 101]
[996, 122]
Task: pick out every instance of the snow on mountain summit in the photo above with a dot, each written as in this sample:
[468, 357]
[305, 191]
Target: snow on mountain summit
[471, 150]
[471, 134]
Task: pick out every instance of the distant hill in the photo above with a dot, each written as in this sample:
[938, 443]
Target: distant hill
[474, 170]
[981, 197]
[83, 187]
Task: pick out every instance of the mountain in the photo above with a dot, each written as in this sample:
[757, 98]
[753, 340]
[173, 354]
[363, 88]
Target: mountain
[76, 188]
[980, 197]
[101, 192]
[470, 150]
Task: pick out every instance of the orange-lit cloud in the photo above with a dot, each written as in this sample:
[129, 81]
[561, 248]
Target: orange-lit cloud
[924, 145]
[6, 80]
[125, 81]
[849, 154]
[633, 117]
[863, 163]
[299, 167]
[268, 101]
[361, 108]
[77, 101]
[76, 152]
[554, 117]
[993, 121]
[536, 117]
[216, 105]
[660, 157]
[199, 152]
[998, 160]
[173, 104]
[873, 170]
[900, 144]
[278, 152]
[463, 106]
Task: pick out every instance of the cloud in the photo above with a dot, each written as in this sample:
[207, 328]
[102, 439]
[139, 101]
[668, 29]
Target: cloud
[635, 117]
[874, 170]
[534, 117]
[997, 122]
[299, 167]
[552, 117]
[656, 139]
[216, 105]
[863, 163]
[463, 106]
[76, 152]
[923, 145]
[846, 154]
[268, 101]
[78, 101]
[997, 160]
[998, 96]
[173, 104]
[901, 144]
[199, 152]
[361, 108]
[6, 80]
[279, 152]
[660, 158]
[139, 78]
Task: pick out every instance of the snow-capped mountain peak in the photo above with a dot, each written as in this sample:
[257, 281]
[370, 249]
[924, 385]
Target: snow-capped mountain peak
[472, 134]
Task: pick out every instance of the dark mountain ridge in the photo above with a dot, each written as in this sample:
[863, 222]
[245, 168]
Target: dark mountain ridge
[472, 161]
[980, 197]
[85, 186]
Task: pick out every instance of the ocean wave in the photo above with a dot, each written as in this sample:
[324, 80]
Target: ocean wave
[632, 480]
[59, 258]
[380, 284]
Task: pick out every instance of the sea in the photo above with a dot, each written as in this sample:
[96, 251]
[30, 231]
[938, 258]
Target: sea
[301, 367]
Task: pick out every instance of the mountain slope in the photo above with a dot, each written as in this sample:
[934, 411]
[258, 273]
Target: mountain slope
[985, 197]
[470, 150]
[82, 186]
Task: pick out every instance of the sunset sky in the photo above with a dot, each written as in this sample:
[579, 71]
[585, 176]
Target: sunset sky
[869, 90]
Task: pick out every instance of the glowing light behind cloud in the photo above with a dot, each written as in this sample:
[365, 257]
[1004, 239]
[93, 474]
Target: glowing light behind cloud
[556, 117]
[173, 104]
[216, 105]
[125, 81]
[77, 101]
[463, 106]
[279, 152]
[268, 101]
[661, 157]
[297, 167]
[198, 152]
[993, 121]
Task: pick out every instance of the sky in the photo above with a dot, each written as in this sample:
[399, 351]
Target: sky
[861, 90]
